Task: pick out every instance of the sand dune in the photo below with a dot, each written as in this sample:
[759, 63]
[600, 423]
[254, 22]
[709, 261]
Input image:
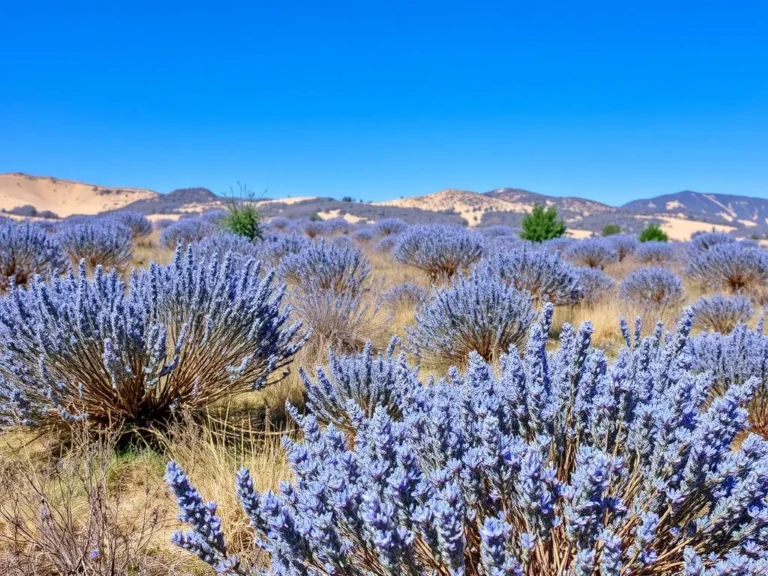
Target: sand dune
[64, 197]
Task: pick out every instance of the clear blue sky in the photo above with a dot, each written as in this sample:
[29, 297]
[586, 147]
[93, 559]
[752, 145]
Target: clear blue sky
[383, 99]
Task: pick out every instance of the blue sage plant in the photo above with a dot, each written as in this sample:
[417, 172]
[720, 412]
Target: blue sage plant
[496, 231]
[440, 250]
[314, 228]
[279, 224]
[27, 250]
[185, 231]
[221, 244]
[139, 225]
[655, 253]
[480, 314]
[624, 245]
[594, 285]
[97, 242]
[703, 241]
[651, 287]
[364, 235]
[593, 252]
[722, 313]
[328, 266]
[181, 336]
[355, 382]
[386, 244]
[730, 267]
[545, 276]
[405, 296]
[560, 462]
[389, 227]
[276, 246]
[555, 245]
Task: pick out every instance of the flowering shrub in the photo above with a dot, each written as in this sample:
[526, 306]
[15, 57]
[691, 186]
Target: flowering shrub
[729, 266]
[185, 231]
[721, 313]
[703, 241]
[327, 265]
[279, 223]
[275, 247]
[139, 225]
[178, 336]
[545, 276]
[386, 244]
[357, 382]
[314, 228]
[221, 244]
[26, 250]
[340, 320]
[593, 252]
[216, 217]
[624, 245]
[407, 295]
[337, 226]
[389, 226]
[100, 242]
[655, 253]
[652, 287]
[594, 285]
[560, 464]
[439, 250]
[556, 245]
[480, 314]
[732, 360]
[363, 235]
[496, 231]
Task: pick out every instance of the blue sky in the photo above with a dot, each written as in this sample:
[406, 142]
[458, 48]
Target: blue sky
[378, 100]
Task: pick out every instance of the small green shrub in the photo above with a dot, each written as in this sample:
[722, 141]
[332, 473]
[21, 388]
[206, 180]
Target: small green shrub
[653, 233]
[542, 224]
[611, 229]
[243, 217]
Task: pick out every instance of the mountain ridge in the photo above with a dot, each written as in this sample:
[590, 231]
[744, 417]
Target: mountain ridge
[681, 213]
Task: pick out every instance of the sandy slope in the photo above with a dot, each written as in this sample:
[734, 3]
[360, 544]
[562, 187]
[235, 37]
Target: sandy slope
[469, 205]
[63, 196]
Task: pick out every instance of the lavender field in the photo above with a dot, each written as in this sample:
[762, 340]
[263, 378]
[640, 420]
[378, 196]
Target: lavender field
[328, 398]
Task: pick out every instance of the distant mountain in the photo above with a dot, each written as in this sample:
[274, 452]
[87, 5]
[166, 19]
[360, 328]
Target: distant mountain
[726, 209]
[680, 214]
[28, 195]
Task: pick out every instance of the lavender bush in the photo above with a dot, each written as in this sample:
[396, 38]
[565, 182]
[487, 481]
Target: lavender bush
[594, 285]
[314, 228]
[651, 287]
[703, 241]
[655, 253]
[178, 336]
[357, 382]
[407, 296]
[221, 244]
[496, 231]
[185, 231]
[480, 314]
[389, 227]
[624, 245]
[279, 224]
[593, 252]
[733, 359]
[328, 266]
[556, 245]
[386, 244]
[275, 247]
[100, 242]
[545, 276]
[559, 464]
[721, 313]
[730, 267]
[439, 250]
[364, 235]
[139, 225]
[26, 250]
[340, 320]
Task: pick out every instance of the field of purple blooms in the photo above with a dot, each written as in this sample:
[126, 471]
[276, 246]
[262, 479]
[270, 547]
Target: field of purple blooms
[379, 399]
